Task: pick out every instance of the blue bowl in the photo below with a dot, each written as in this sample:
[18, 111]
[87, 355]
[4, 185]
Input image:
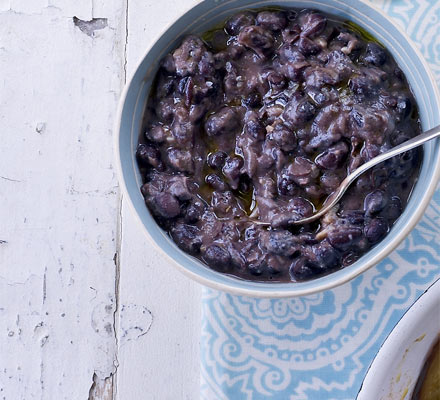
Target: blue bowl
[199, 19]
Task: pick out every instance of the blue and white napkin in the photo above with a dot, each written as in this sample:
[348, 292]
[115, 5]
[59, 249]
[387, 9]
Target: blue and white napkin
[319, 347]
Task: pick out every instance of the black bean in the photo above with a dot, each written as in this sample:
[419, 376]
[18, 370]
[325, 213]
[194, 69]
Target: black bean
[401, 165]
[194, 211]
[286, 186]
[330, 181]
[307, 46]
[165, 86]
[281, 243]
[298, 111]
[344, 237]
[217, 257]
[168, 64]
[148, 155]
[253, 100]
[274, 266]
[197, 112]
[180, 160]
[404, 106]
[251, 233]
[217, 159]
[182, 128]
[145, 189]
[238, 21]
[312, 24]
[256, 268]
[319, 98]
[183, 83]
[367, 82]
[375, 54]
[284, 138]
[360, 85]
[333, 157]
[223, 203]
[370, 150]
[314, 191]
[273, 20]
[301, 269]
[376, 230]
[178, 187]
[394, 208]
[156, 134]
[276, 81]
[290, 54]
[232, 170]
[327, 256]
[187, 237]
[291, 34]
[303, 171]
[364, 182]
[258, 39]
[354, 217]
[253, 127]
[300, 206]
[375, 202]
[350, 258]
[307, 109]
[399, 74]
[223, 122]
[192, 57]
[165, 110]
[216, 182]
[165, 205]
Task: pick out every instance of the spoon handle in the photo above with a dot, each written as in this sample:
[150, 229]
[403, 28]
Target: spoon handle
[401, 148]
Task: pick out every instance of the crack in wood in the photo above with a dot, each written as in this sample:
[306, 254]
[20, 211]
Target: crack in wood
[116, 315]
[9, 179]
[126, 42]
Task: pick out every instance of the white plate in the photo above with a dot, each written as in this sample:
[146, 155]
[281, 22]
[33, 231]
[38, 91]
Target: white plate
[396, 368]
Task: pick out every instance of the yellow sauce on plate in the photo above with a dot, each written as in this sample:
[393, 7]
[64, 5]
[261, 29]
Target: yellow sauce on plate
[428, 384]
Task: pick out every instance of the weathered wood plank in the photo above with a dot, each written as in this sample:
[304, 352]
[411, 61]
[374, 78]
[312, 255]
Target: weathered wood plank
[58, 190]
[161, 359]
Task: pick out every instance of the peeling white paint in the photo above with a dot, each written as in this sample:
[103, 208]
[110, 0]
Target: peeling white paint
[89, 27]
[59, 198]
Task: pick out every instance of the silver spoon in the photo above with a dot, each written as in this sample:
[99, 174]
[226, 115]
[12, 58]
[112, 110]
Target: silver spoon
[333, 199]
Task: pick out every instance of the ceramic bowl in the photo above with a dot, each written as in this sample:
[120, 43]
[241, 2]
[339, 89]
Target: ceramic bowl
[199, 19]
[396, 368]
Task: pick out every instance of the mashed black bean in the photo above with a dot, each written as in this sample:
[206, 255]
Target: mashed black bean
[260, 120]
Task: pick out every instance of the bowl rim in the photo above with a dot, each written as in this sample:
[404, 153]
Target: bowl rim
[296, 289]
[397, 338]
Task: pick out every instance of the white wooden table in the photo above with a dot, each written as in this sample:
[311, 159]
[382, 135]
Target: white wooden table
[87, 308]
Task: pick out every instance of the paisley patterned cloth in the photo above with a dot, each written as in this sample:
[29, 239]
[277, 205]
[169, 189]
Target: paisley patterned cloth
[320, 346]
